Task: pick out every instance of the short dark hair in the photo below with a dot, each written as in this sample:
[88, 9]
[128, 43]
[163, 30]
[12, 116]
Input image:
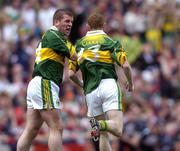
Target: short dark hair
[59, 14]
[96, 20]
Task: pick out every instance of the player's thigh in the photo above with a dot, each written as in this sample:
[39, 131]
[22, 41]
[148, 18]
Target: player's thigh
[111, 95]
[42, 94]
[94, 104]
[52, 117]
[33, 119]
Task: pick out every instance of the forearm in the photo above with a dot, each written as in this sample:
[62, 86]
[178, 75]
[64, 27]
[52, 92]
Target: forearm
[128, 72]
[76, 80]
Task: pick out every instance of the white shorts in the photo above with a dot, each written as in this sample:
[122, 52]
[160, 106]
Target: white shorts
[42, 94]
[106, 97]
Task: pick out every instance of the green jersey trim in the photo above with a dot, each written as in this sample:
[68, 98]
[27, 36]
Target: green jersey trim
[120, 107]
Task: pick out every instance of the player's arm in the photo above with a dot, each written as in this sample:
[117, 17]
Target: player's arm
[73, 68]
[128, 73]
[119, 55]
[75, 79]
[61, 46]
[72, 50]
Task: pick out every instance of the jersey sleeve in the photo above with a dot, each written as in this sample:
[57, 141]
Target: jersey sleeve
[71, 48]
[119, 54]
[58, 44]
[73, 65]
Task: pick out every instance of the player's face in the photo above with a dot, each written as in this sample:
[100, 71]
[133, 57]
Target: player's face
[65, 24]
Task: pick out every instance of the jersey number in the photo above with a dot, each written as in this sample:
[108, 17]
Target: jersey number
[38, 53]
[94, 49]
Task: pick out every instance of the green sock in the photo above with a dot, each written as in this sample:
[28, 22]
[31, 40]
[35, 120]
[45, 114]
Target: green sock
[103, 125]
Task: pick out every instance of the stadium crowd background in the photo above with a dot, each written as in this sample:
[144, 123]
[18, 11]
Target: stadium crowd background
[149, 31]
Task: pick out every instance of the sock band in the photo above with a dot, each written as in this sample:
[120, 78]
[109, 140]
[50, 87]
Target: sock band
[103, 125]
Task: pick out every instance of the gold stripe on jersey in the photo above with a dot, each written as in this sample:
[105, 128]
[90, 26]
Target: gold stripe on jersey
[100, 56]
[48, 53]
[73, 65]
[121, 57]
[71, 48]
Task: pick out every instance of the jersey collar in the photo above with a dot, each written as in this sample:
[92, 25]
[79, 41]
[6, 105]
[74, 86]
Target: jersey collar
[54, 28]
[95, 32]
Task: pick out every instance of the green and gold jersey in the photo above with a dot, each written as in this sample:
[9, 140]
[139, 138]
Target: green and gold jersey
[97, 53]
[50, 55]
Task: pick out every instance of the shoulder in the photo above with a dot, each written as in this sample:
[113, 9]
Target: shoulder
[109, 40]
[70, 46]
[79, 42]
[53, 34]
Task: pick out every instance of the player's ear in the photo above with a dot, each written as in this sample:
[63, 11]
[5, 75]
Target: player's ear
[56, 22]
[87, 27]
[105, 26]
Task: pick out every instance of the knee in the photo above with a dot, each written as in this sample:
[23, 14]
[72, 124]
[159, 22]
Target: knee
[119, 129]
[57, 127]
[60, 127]
[33, 131]
[56, 130]
[118, 133]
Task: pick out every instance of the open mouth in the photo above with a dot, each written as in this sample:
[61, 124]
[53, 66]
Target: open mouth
[68, 29]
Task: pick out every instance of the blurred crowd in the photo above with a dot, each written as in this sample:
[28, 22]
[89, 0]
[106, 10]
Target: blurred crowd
[149, 30]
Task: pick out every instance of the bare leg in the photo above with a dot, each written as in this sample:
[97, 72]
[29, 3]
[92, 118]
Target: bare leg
[104, 144]
[53, 120]
[115, 122]
[33, 124]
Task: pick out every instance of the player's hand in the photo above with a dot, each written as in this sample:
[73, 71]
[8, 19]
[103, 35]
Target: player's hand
[129, 86]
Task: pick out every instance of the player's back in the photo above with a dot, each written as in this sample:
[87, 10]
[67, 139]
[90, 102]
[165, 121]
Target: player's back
[95, 59]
